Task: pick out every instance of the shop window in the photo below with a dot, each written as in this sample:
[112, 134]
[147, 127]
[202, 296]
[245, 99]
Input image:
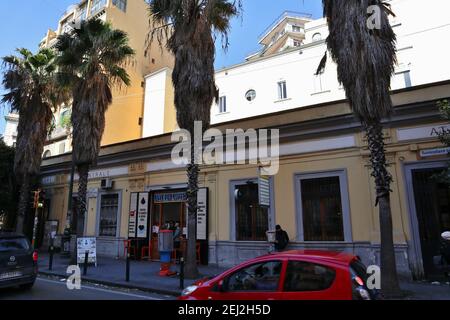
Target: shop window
[305, 276]
[109, 207]
[322, 209]
[264, 277]
[252, 220]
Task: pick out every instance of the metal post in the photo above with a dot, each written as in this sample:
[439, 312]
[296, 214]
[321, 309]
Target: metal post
[86, 260]
[182, 273]
[127, 271]
[52, 249]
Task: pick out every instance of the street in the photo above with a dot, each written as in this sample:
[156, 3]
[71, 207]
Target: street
[50, 289]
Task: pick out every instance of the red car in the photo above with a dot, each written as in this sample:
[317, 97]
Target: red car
[290, 275]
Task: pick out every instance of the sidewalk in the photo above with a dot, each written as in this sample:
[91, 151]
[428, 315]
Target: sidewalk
[144, 276]
[111, 272]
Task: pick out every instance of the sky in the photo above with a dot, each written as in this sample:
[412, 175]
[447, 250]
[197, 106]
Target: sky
[23, 23]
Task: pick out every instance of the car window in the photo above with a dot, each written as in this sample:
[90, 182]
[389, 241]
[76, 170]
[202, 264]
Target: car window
[306, 276]
[13, 244]
[263, 277]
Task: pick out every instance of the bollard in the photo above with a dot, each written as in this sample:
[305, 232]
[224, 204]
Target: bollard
[182, 273]
[50, 265]
[86, 260]
[127, 271]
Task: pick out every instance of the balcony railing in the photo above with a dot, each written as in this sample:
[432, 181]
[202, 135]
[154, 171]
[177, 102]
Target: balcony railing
[290, 14]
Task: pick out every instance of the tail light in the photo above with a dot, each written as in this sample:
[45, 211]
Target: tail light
[35, 256]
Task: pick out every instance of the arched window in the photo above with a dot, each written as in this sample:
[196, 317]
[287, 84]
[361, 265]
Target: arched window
[47, 154]
[317, 37]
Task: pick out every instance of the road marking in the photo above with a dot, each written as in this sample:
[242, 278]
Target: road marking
[101, 290]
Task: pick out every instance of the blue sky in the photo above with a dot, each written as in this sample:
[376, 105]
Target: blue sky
[23, 23]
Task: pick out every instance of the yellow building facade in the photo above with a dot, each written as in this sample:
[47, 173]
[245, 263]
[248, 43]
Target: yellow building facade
[322, 195]
[127, 108]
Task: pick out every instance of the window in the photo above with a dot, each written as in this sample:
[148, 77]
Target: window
[82, 12]
[305, 276]
[109, 207]
[401, 80]
[250, 95]
[322, 209]
[62, 148]
[297, 43]
[14, 245]
[263, 277]
[296, 29]
[97, 5]
[47, 154]
[223, 104]
[121, 4]
[252, 221]
[316, 37]
[319, 83]
[282, 90]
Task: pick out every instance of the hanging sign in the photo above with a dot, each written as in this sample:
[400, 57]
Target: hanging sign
[170, 197]
[142, 217]
[132, 217]
[202, 214]
[263, 190]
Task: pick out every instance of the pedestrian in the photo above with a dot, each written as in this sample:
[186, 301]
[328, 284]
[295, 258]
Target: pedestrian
[281, 239]
[177, 239]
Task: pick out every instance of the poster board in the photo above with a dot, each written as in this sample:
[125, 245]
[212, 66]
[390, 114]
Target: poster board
[132, 215]
[202, 214]
[142, 217]
[87, 244]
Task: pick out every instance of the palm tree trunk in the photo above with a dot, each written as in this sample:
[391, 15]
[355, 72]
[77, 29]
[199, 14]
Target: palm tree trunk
[191, 270]
[83, 171]
[389, 279]
[23, 204]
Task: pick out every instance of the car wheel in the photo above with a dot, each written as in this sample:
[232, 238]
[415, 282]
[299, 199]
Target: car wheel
[27, 286]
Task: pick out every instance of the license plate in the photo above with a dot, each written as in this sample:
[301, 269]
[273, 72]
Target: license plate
[10, 275]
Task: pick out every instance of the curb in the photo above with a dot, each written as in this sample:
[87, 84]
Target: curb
[175, 293]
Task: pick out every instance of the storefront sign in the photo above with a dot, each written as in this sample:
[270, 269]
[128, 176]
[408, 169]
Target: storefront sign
[132, 217]
[422, 132]
[434, 152]
[86, 244]
[202, 214]
[170, 197]
[264, 190]
[142, 217]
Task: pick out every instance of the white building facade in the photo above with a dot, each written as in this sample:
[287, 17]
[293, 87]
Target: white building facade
[282, 75]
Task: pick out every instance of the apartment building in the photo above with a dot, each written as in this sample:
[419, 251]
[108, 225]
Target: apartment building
[124, 118]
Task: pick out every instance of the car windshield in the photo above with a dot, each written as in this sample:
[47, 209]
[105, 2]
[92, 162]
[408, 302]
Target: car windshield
[14, 244]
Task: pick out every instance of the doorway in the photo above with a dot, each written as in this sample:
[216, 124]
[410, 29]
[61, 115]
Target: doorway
[432, 204]
[167, 208]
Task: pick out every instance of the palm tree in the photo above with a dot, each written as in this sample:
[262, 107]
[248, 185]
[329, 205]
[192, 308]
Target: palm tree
[91, 61]
[33, 92]
[190, 26]
[366, 59]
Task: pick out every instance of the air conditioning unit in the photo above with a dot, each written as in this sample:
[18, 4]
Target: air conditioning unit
[106, 184]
